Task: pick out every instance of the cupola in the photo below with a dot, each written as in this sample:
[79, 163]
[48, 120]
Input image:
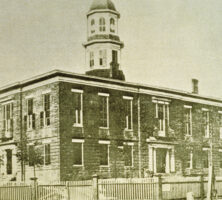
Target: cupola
[103, 46]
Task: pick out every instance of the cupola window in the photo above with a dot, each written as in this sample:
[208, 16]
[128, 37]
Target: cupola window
[92, 26]
[102, 25]
[102, 57]
[91, 59]
[112, 25]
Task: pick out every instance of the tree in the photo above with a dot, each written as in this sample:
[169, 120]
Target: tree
[29, 154]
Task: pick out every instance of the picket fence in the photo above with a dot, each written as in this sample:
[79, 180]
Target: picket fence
[155, 188]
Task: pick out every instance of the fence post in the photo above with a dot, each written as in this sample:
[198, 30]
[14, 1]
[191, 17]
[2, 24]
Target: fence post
[160, 193]
[95, 187]
[68, 191]
[201, 186]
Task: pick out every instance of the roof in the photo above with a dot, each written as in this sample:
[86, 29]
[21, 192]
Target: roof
[105, 82]
[102, 4]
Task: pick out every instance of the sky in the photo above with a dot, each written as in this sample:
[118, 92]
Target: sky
[167, 42]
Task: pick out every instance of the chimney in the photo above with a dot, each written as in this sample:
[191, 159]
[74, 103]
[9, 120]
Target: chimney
[195, 89]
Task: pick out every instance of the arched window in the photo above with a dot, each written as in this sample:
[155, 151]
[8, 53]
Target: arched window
[92, 26]
[112, 25]
[102, 25]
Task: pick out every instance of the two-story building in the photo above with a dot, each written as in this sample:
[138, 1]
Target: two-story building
[100, 124]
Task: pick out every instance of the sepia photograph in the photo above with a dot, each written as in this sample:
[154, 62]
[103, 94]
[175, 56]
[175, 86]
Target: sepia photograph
[110, 100]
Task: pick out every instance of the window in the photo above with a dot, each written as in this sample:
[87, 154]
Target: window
[112, 25]
[92, 26]
[8, 117]
[206, 123]
[77, 152]
[104, 110]
[114, 56]
[9, 161]
[188, 120]
[128, 103]
[104, 152]
[128, 154]
[78, 107]
[220, 124]
[205, 157]
[45, 115]
[102, 58]
[189, 163]
[30, 118]
[91, 59]
[47, 157]
[162, 115]
[102, 25]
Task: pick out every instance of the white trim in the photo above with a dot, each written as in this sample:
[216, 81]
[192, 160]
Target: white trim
[127, 98]
[31, 96]
[103, 94]
[46, 91]
[104, 142]
[188, 106]
[220, 150]
[129, 143]
[206, 149]
[160, 102]
[78, 140]
[76, 90]
[166, 94]
[7, 101]
[220, 111]
[205, 109]
[47, 141]
[159, 99]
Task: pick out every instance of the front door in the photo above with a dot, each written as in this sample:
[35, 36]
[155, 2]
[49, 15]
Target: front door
[161, 160]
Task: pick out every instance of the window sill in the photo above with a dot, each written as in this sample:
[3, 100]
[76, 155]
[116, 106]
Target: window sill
[78, 125]
[104, 128]
[78, 166]
[129, 130]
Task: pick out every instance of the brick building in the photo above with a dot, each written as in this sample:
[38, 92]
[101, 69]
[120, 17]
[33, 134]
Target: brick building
[99, 123]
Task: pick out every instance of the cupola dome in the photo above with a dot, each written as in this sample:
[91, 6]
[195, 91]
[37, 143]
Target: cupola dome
[102, 4]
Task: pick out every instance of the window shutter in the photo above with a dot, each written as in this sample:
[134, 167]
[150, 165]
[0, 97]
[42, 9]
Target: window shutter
[41, 119]
[25, 123]
[11, 125]
[101, 111]
[33, 120]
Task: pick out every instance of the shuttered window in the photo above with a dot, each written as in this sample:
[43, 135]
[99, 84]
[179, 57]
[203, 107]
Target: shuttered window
[47, 154]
